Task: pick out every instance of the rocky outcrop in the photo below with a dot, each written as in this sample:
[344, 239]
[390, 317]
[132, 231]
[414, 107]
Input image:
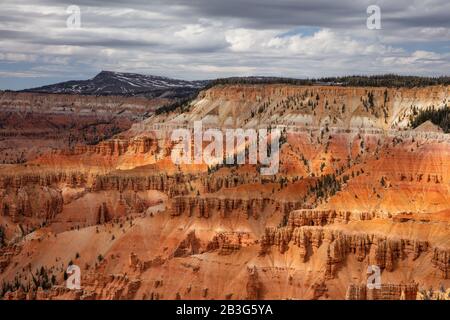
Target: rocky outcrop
[352, 191]
[214, 183]
[253, 286]
[189, 246]
[112, 147]
[140, 266]
[103, 215]
[119, 146]
[172, 185]
[386, 292]
[204, 207]
[41, 177]
[6, 254]
[441, 260]
[121, 181]
[307, 217]
[61, 121]
[226, 243]
[31, 201]
[383, 251]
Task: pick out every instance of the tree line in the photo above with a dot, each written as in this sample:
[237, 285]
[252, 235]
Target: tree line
[440, 117]
[385, 80]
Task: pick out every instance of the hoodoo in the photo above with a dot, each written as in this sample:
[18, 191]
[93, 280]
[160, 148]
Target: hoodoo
[355, 187]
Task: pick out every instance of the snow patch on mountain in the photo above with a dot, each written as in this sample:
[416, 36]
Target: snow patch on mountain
[120, 83]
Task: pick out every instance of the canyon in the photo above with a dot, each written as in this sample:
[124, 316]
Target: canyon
[356, 186]
[32, 124]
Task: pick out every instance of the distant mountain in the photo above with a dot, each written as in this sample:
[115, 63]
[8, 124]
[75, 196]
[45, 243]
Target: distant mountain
[129, 84]
[133, 84]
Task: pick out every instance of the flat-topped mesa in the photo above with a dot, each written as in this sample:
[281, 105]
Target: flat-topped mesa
[209, 205]
[383, 251]
[386, 292]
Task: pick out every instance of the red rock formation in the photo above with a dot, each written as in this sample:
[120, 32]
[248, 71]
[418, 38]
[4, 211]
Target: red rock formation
[188, 246]
[386, 292]
[254, 289]
[37, 123]
[441, 260]
[383, 251]
[227, 243]
[30, 201]
[353, 193]
[205, 206]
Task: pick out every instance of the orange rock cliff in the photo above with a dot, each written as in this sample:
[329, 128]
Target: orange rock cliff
[356, 187]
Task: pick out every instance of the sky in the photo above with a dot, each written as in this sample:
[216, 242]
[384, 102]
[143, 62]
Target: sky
[41, 42]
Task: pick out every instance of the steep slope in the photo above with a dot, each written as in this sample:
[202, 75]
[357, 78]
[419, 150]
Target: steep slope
[31, 124]
[250, 106]
[348, 195]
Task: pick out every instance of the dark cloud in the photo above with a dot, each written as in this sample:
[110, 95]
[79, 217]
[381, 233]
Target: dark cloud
[288, 13]
[210, 38]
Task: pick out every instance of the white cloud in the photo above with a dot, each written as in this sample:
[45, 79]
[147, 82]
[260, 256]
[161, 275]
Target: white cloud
[208, 39]
[17, 57]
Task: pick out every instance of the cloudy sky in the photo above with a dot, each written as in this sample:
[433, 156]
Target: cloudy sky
[204, 39]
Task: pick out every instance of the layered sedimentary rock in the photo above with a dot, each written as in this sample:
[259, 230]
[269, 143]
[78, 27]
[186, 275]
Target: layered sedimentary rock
[226, 243]
[172, 185]
[42, 177]
[441, 260]
[306, 106]
[33, 123]
[117, 180]
[206, 206]
[253, 285]
[37, 202]
[188, 246]
[213, 184]
[117, 147]
[6, 255]
[383, 251]
[309, 217]
[385, 292]
[352, 191]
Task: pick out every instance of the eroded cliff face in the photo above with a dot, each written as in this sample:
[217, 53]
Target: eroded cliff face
[225, 207]
[353, 194]
[34, 202]
[32, 124]
[384, 251]
[248, 106]
[385, 292]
